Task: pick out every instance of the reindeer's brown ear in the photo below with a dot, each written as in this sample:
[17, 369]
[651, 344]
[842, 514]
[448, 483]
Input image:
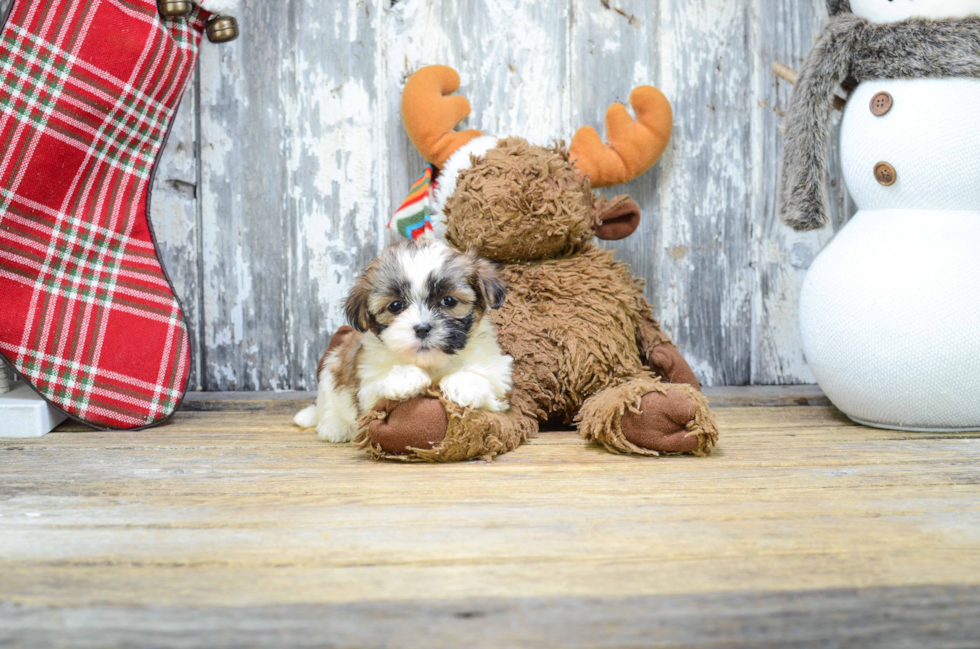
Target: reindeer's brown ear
[356, 308]
[617, 218]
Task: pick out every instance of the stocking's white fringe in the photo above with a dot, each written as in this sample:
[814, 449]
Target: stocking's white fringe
[221, 6]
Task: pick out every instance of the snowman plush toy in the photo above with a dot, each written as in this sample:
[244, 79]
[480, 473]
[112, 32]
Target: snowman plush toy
[890, 310]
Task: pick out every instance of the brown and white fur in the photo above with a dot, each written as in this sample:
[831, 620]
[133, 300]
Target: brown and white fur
[418, 317]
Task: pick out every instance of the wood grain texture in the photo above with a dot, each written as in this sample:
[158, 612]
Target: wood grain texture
[783, 31]
[292, 201]
[891, 618]
[512, 61]
[174, 215]
[302, 154]
[235, 519]
[769, 396]
[695, 251]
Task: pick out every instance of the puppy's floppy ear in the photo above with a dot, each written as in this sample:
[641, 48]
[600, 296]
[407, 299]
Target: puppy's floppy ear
[356, 307]
[492, 286]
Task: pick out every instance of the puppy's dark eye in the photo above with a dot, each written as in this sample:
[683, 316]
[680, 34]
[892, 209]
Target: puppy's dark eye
[396, 307]
[449, 302]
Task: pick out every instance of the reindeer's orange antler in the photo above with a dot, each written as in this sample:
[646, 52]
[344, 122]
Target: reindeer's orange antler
[634, 146]
[430, 116]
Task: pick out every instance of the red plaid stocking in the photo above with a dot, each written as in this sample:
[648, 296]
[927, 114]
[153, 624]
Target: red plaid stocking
[88, 89]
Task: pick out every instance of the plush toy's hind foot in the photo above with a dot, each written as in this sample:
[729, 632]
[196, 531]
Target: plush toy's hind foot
[660, 423]
[648, 417]
[433, 429]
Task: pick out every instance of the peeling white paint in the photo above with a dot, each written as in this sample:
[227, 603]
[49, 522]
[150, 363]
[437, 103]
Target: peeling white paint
[173, 216]
[513, 79]
[782, 256]
[311, 110]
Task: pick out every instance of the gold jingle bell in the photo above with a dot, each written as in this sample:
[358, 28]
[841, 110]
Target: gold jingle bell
[222, 29]
[175, 8]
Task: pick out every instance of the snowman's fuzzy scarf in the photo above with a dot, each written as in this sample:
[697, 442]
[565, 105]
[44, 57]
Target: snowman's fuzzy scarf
[851, 50]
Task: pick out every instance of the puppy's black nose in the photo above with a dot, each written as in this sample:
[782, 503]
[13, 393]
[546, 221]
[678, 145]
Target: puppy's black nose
[422, 330]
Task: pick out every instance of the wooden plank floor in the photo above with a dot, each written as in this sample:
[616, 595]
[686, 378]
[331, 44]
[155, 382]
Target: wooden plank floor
[232, 528]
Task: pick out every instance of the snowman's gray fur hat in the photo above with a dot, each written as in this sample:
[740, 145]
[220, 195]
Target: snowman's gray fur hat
[851, 50]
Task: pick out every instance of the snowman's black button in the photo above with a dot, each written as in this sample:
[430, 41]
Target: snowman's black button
[881, 103]
[885, 174]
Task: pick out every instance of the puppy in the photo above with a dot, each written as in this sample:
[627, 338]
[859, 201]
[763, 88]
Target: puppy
[419, 319]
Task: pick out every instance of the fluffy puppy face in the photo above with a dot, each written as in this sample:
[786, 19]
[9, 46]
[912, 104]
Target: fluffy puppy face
[422, 299]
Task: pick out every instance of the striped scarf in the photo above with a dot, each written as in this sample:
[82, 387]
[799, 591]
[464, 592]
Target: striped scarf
[414, 218]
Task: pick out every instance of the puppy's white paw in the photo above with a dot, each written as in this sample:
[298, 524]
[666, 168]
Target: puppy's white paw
[306, 418]
[404, 382]
[472, 391]
[334, 429]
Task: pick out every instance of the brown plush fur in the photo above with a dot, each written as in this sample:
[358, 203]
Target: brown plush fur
[601, 417]
[575, 320]
[521, 202]
[464, 434]
[571, 325]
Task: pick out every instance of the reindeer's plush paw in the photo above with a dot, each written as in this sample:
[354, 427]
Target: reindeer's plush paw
[419, 423]
[666, 361]
[661, 423]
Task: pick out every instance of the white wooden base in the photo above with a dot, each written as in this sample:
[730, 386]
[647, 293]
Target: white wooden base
[24, 414]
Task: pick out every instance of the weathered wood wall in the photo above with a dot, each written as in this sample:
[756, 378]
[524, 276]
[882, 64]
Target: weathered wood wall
[289, 154]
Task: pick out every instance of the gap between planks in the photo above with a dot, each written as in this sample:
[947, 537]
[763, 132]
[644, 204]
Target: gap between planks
[720, 397]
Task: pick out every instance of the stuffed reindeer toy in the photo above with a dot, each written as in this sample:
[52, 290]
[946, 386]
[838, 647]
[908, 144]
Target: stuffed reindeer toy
[585, 345]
